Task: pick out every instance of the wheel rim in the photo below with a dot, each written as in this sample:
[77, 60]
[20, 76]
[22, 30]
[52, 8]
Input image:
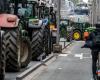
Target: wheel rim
[76, 35]
[24, 52]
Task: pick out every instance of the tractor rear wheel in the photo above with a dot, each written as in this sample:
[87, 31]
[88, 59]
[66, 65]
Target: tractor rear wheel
[18, 53]
[2, 57]
[47, 41]
[37, 44]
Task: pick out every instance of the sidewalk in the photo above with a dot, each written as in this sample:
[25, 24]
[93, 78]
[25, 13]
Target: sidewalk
[36, 69]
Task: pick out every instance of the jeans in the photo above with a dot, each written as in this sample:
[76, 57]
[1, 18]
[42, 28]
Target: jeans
[94, 61]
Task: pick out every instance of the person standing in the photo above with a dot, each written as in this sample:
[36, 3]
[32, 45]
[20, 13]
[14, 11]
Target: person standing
[93, 42]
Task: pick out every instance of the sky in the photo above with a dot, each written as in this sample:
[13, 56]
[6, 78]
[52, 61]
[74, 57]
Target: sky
[85, 1]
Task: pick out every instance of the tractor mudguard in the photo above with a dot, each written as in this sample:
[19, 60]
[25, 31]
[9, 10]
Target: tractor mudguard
[8, 21]
[35, 23]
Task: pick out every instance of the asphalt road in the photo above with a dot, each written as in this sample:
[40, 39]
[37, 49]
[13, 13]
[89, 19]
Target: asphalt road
[74, 64]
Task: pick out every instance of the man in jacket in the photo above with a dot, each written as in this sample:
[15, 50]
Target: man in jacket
[95, 48]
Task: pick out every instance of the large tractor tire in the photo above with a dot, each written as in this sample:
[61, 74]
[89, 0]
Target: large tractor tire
[18, 51]
[47, 41]
[76, 35]
[2, 57]
[37, 44]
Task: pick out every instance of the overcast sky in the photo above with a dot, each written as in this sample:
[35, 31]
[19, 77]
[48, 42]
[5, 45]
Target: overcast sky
[85, 1]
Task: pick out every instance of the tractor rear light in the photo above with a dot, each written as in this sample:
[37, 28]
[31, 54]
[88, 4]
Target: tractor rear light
[52, 27]
[8, 20]
[11, 19]
[55, 29]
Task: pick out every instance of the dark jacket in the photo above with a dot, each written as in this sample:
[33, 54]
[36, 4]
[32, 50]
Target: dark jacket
[90, 41]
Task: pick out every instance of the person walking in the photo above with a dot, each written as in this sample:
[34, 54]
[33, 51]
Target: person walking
[93, 42]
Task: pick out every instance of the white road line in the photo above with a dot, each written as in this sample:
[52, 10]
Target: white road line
[81, 57]
[64, 55]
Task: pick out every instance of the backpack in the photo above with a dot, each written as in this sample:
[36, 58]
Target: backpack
[96, 39]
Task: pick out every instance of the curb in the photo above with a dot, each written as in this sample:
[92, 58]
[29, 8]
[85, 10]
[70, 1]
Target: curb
[33, 68]
[36, 66]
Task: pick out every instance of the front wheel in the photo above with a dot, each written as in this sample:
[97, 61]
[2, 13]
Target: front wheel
[37, 44]
[76, 35]
[17, 50]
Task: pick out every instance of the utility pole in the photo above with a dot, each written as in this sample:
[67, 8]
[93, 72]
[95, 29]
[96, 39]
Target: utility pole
[58, 20]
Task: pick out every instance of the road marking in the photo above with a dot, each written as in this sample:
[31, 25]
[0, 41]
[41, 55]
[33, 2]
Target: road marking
[64, 55]
[79, 55]
[59, 68]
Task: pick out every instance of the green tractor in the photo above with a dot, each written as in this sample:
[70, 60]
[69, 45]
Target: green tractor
[40, 34]
[79, 21]
[15, 49]
[63, 28]
[77, 30]
[50, 31]
[18, 46]
[33, 26]
[26, 33]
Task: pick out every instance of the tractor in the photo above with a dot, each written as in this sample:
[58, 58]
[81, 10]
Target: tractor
[79, 21]
[50, 14]
[15, 49]
[25, 32]
[17, 42]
